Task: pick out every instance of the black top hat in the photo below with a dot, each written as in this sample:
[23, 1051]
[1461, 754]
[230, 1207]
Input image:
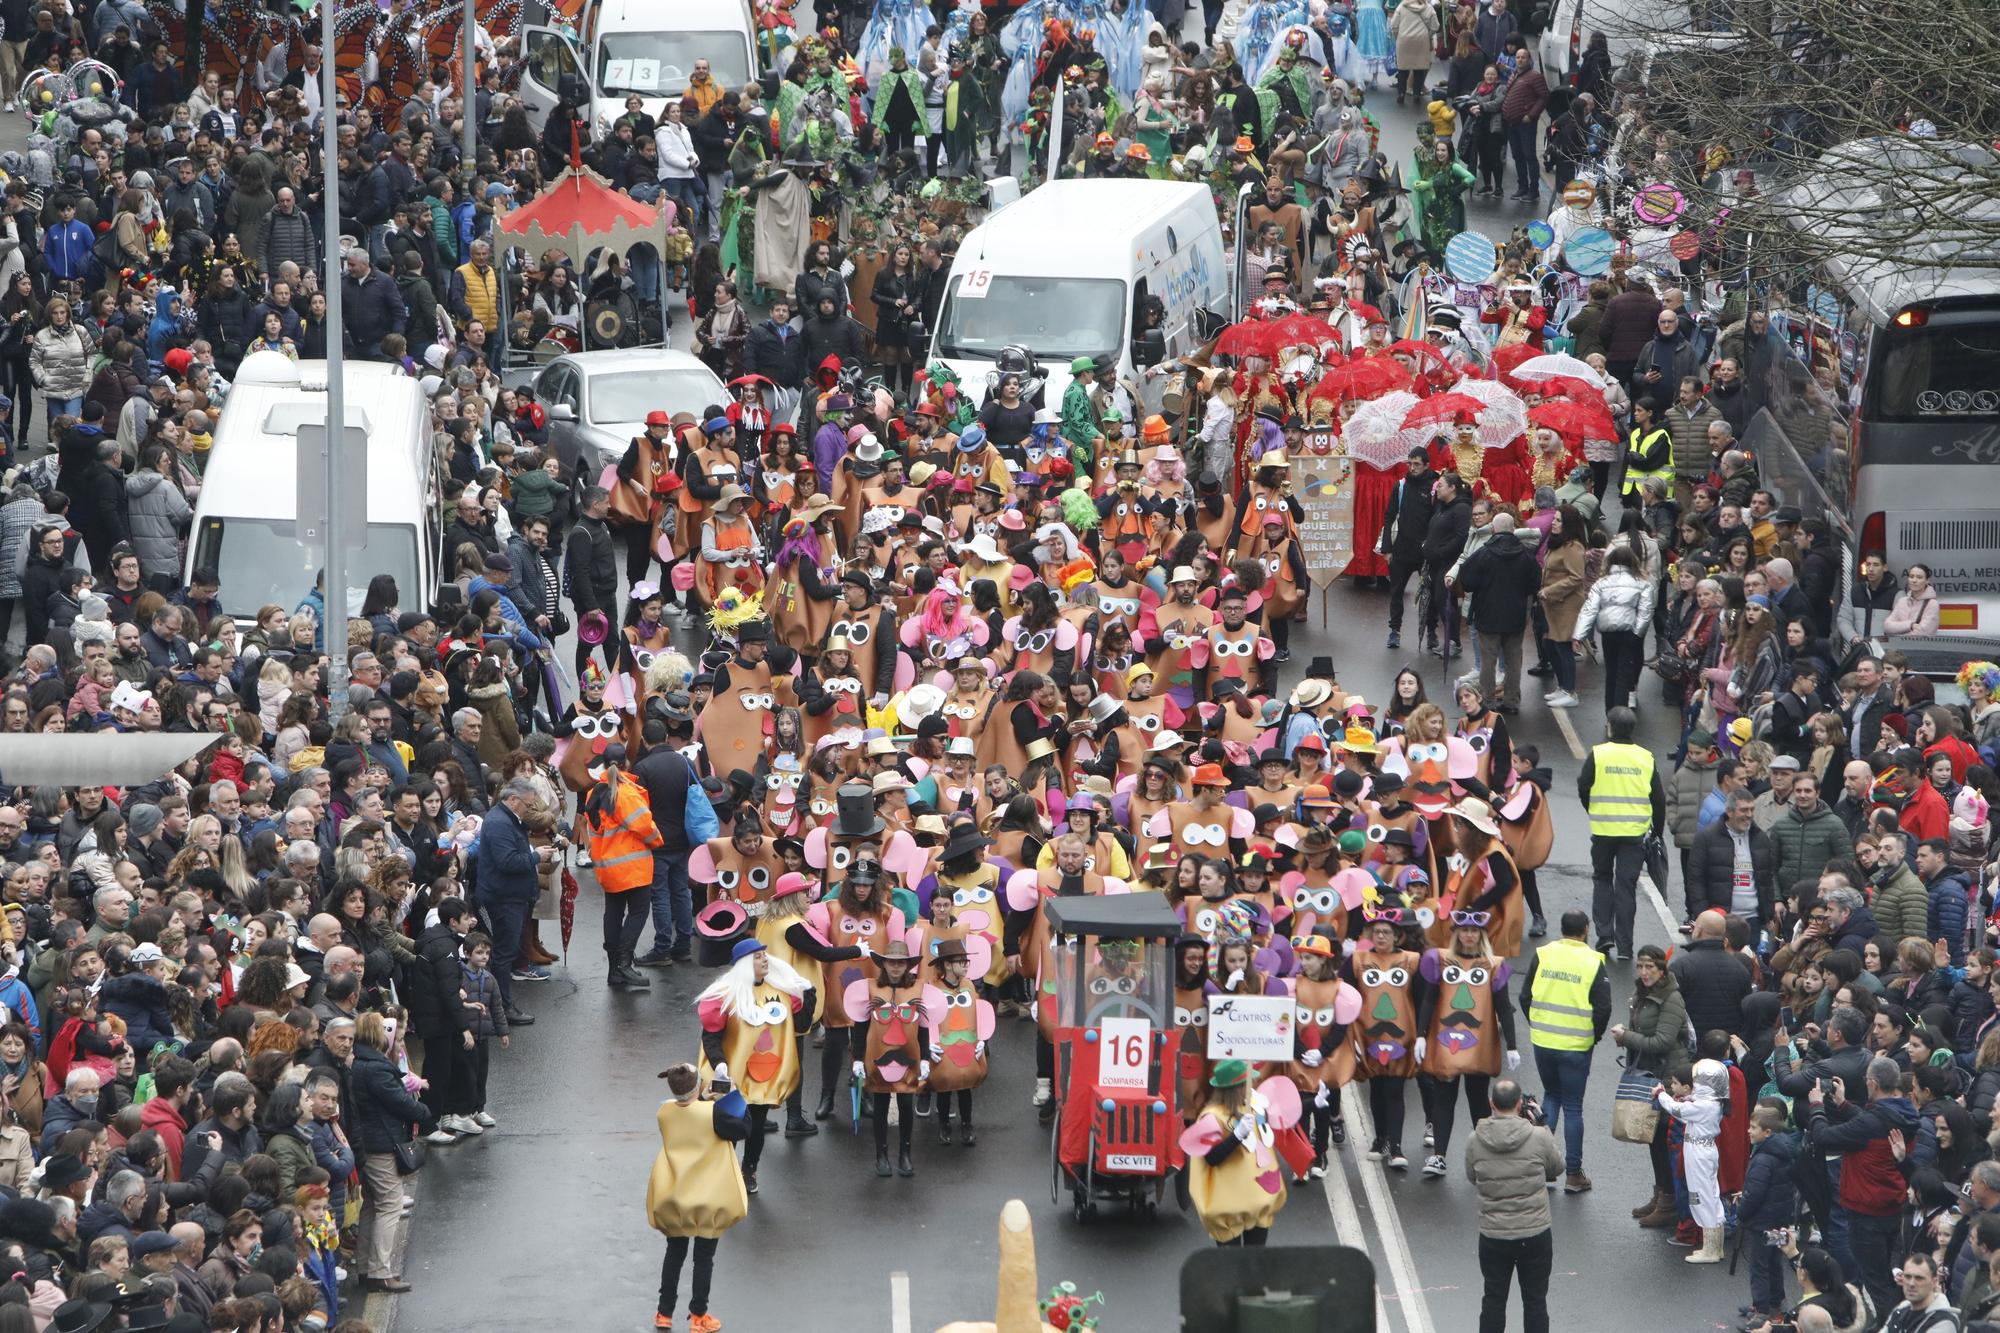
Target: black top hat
[754, 631]
[965, 839]
[80, 1316]
[1399, 837]
[855, 815]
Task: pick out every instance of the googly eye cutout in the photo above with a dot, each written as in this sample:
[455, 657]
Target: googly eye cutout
[839, 857]
[1378, 833]
[1373, 977]
[1399, 976]
[1198, 1018]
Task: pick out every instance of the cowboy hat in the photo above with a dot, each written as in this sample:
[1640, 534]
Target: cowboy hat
[918, 702]
[1478, 814]
[985, 548]
[1310, 693]
[949, 951]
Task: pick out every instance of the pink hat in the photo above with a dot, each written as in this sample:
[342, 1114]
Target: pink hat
[1011, 520]
[789, 883]
[1020, 576]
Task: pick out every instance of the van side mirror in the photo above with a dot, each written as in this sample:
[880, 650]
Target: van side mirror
[1149, 348]
[561, 412]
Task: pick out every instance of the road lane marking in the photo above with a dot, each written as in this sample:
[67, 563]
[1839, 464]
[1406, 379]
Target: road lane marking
[1658, 900]
[899, 1303]
[1568, 729]
[1347, 1218]
[1415, 1309]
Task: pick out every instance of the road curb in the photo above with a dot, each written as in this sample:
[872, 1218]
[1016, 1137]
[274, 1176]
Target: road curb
[378, 1308]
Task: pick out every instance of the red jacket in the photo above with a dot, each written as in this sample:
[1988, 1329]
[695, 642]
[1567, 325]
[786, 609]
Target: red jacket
[165, 1119]
[1925, 815]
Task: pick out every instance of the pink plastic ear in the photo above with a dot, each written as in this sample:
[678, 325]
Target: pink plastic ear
[901, 856]
[983, 1017]
[816, 848]
[1066, 634]
[562, 748]
[1281, 1101]
[1518, 802]
[1347, 1005]
[1266, 649]
[1202, 1135]
[1058, 803]
[1352, 884]
[683, 576]
[1197, 653]
[1460, 760]
[855, 1000]
[1023, 891]
[1242, 823]
[919, 768]
[1128, 784]
[978, 633]
[701, 865]
[1287, 835]
[934, 1007]
[906, 672]
[1112, 886]
[1394, 761]
[663, 547]
[911, 633]
[1289, 882]
[978, 956]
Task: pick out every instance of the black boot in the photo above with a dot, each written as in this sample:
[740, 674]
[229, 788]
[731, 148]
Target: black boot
[634, 978]
[966, 1138]
[614, 977]
[944, 1129]
[903, 1165]
[882, 1161]
[796, 1124]
[824, 1111]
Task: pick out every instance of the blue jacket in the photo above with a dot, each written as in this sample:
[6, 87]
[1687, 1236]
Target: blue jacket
[1711, 808]
[20, 1001]
[1770, 1199]
[69, 248]
[386, 754]
[1950, 904]
[510, 614]
[506, 861]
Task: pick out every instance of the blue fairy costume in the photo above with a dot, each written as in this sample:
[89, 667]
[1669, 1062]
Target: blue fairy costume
[895, 23]
[1371, 37]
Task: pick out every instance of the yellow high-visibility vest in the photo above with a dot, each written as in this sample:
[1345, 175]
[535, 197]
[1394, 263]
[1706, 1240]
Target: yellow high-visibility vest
[1621, 790]
[1559, 1016]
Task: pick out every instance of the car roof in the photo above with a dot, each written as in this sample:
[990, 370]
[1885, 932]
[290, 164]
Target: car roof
[634, 358]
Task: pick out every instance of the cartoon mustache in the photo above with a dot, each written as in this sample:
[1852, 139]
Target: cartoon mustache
[1385, 1028]
[1459, 1020]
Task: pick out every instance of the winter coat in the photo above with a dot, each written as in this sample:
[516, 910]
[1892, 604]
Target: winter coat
[1806, 843]
[1563, 591]
[287, 236]
[372, 309]
[507, 862]
[1656, 1026]
[59, 361]
[1414, 25]
[1410, 518]
[1687, 790]
[1510, 1163]
[1501, 577]
[436, 1011]
[18, 521]
[293, 1148]
[1949, 905]
[384, 1109]
[1859, 928]
[1770, 1198]
[1870, 1183]
[1713, 981]
[1450, 526]
[1712, 869]
[1620, 601]
[1628, 324]
[158, 514]
[777, 355]
[141, 1002]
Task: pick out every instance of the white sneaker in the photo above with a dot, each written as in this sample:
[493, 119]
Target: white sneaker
[1434, 1164]
[441, 1135]
[485, 1119]
[339, 1273]
[466, 1125]
[1561, 699]
[1043, 1093]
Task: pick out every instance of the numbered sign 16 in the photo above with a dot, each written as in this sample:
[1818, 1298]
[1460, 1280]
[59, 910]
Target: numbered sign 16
[1122, 1047]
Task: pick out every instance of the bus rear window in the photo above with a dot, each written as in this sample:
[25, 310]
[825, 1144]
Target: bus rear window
[1945, 369]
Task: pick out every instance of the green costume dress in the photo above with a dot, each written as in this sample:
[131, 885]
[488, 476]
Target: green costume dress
[1440, 194]
[885, 95]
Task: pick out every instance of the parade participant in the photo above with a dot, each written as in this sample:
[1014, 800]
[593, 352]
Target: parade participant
[623, 839]
[1327, 1007]
[1205, 824]
[735, 726]
[869, 629]
[803, 594]
[646, 478]
[1482, 878]
[1105, 855]
[891, 1037]
[1168, 635]
[1234, 1179]
[1232, 649]
[1465, 1013]
[859, 913]
[730, 553]
[1389, 1046]
[696, 1190]
[961, 1023]
[750, 1016]
[785, 931]
[744, 867]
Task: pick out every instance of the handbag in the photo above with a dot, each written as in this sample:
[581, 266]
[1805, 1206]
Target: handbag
[1634, 1116]
[1673, 667]
[410, 1157]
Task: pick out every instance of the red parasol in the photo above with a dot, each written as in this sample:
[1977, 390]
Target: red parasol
[1301, 330]
[1563, 386]
[1507, 358]
[569, 892]
[1574, 421]
[1249, 337]
[1366, 377]
[1442, 410]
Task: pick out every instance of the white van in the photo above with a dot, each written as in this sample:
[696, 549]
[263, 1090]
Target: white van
[628, 48]
[244, 518]
[1631, 27]
[1065, 270]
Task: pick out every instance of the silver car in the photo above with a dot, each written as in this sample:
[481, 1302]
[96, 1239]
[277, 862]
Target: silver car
[597, 401]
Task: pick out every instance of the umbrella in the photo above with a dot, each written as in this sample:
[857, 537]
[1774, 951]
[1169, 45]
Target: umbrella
[1552, 365]
[568, 909]
[1429, 360]
[1373, 433]
[1582, 391]
[1300, 330]
[1572, 420]
[1509, 358]
[1442, 409]
[1366, 377]
[1502, 416]
[1244, 338]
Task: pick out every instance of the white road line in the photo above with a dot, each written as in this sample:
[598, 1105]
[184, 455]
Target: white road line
[1347, 1218]
[899, 1303]
[1658, 900]
[1416, 1311]
[1568, 729]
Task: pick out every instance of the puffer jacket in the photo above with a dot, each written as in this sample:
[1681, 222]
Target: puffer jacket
[1619, 601]
[1510, 1163]
[1807, 842]
[158, 514]
[1655, 1029]
[59, 360]
[18, 518]
[1770, 1199]
[384, 1110]
[1950, 904]
[1901, 904]
[1690, 786]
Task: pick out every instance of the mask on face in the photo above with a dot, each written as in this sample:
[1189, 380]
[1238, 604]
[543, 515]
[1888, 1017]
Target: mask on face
[86, 1105]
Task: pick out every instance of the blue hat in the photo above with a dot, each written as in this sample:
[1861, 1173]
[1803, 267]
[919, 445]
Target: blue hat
[153, 1242]
[716, 425]
[1758, 599]
[744, 948]
[973, 439]
[6, 403]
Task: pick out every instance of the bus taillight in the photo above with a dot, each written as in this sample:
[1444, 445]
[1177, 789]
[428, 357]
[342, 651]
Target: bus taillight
[1912, 317]
[1875, 534]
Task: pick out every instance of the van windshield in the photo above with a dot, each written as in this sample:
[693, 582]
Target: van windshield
[657, 64]
[260, 561]
[1055, 318]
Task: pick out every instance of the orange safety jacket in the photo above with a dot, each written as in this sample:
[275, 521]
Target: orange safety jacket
[622, 843]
